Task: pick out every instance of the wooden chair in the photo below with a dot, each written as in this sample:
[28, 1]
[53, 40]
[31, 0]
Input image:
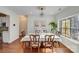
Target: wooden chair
[34, 42]
[49, 41]
[25, 45]
[58, 33]
[22, 34]
[57, 43]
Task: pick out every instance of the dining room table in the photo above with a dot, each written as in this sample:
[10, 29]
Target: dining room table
[42, 37]
[26, 40]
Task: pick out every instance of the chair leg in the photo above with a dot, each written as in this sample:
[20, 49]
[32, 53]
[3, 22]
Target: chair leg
[38, 49]
[31, 49]
[53, 44]
[45, 49]
[59, 44]
[52, 49]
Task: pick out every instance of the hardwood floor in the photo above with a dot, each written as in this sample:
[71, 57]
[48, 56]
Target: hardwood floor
[16, 47]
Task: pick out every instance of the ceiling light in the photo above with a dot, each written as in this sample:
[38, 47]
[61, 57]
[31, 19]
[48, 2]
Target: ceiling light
[41, 14]
[59, 9]
[41, 7]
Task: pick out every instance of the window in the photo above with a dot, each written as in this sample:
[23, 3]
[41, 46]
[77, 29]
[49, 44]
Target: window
[70, 27]
[66, 27]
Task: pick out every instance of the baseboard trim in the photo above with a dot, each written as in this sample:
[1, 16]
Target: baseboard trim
[11, 41]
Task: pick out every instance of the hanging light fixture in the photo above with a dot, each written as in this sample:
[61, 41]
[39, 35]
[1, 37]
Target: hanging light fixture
[41, 14]
[41, 8]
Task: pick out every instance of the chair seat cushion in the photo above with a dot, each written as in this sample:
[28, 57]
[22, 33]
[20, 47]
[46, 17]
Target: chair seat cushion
[35, 44]
[47, 43]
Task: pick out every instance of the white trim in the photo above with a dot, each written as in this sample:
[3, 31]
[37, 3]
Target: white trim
[13, 40]
[68, 17]
[69, 43]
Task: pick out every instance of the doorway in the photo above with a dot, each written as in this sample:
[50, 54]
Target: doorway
[23, 25]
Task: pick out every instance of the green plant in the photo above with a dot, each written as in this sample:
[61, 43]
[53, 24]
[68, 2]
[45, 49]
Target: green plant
[53, 26]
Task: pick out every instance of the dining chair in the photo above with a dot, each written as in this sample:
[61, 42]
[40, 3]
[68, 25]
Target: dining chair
[58, 33]
[57, 43]
[49, 42]
[25, 45]
[34, 42]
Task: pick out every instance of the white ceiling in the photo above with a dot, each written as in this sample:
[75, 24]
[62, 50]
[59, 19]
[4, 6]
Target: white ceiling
[33, 10]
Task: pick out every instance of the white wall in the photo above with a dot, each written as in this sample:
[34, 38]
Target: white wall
[13, 32]
[31, 20]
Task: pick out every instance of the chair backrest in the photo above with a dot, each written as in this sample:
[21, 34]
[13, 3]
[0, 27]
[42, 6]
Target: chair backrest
[58, 33]
[49, 38]
[37, 31]
[34, 38]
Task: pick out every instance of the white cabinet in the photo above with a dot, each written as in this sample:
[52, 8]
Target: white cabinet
[6, 36]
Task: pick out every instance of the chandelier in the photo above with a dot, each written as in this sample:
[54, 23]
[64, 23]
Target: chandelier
[41, 8]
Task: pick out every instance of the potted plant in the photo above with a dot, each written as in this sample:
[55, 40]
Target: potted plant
[53, 26]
